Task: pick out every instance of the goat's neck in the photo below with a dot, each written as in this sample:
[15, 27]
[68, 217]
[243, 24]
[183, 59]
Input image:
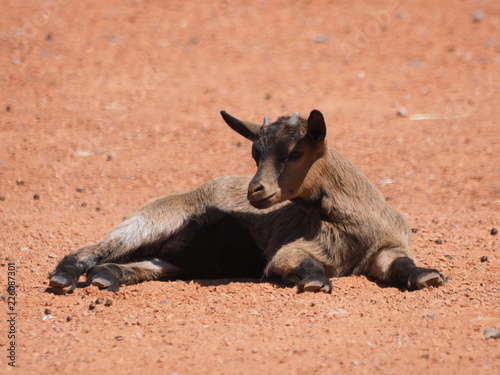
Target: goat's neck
[329, 184]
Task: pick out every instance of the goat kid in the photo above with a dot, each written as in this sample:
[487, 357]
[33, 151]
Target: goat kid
[307, 215]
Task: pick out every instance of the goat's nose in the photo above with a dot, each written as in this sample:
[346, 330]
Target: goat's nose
[255, 187]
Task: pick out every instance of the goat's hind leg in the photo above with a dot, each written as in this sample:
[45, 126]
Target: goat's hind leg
[403, 271]
[155, 222]
[396, 267]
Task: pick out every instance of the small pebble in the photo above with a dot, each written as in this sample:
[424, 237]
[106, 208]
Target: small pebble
[439, 241]
[2, 198]
[338, 312]
[414, 230]
[84, 204]
[36, 196]
[108, 303]
[8, 108]
[57, 329]
[98, 301]
[492, 333]
[80, 189]
[402, 112]
[91, 306]
[109, 157]
[477, 16]
[118, 338]
[115, 40]
[47, 312]
[384, 181]
[484, 258]
[69, 318]
[322, 38]
[494, 231]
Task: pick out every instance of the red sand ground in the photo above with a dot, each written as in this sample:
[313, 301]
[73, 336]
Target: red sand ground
[122, 99]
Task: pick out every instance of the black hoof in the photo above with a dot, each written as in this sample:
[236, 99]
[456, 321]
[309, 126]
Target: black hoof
[104, 278]
[310, 277]
[62, 283]
[315, 284]
[422, 278]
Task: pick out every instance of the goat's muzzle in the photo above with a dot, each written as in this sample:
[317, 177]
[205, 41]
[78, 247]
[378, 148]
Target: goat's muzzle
[260, 195]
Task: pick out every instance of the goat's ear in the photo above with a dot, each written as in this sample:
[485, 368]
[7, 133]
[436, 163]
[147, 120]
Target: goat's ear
[246, 129]
[316, 127]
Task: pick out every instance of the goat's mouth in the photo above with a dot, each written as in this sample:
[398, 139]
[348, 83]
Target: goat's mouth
[266, 202]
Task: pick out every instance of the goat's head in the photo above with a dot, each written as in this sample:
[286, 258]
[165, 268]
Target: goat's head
[284, 151]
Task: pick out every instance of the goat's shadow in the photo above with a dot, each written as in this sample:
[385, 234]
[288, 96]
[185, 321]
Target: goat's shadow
[215, 282]
[276, 281]
[384, 285]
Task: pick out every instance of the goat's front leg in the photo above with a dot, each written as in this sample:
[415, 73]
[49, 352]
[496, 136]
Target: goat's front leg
[295, 263]
[155, 222]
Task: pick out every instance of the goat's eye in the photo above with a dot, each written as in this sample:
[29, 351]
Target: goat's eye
[294, 155]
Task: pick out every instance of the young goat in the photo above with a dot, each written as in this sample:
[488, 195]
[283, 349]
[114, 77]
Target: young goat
[307, 215]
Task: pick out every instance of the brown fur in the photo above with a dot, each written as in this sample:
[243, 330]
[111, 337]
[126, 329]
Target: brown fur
[308, 212]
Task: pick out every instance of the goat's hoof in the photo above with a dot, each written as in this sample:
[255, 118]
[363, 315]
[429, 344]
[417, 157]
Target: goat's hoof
[316, 285]
[103, 278]
[101, 282]
[61, 284]
[426, 278]
[105, 284]
[433, 279]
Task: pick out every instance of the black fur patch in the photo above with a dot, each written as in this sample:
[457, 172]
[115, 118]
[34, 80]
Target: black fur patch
[219, 249]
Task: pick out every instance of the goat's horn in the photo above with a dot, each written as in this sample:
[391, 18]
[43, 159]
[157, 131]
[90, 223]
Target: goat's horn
[266, 121]
[294, 120]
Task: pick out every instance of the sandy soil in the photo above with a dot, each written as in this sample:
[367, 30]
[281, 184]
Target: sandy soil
[104, 105]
